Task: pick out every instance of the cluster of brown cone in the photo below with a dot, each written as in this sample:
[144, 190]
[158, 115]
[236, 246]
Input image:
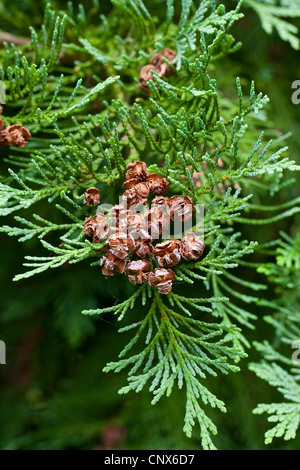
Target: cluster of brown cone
[158, 65]
[132, 233]
[14, 135]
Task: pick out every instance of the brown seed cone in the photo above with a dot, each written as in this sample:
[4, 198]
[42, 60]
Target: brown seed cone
[145, 75]
[102, 228]
[164, 68]
[129, 184]
[157, 219]
[92, 197]
[126, 221]
[162, 279]
[136, 195]
[169, 54]
[118, 211]
[96, 227]
[181, 208]
[136, 170]
[143, 244]
[135, 222]
[108, 268]
[160, 201]
[167, 253]
[120, 244]
[15, 135]
[119, 216]
[112, 263]
[138, 271]
[89, 226]
[1, 125]
[157, 184]
[192, 247]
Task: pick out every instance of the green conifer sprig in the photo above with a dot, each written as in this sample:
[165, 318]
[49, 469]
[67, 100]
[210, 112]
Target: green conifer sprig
[179, 349]
[278, 366]
[273, 15]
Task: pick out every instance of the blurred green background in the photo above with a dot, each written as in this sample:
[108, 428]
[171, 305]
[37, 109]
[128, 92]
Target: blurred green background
[53, 394]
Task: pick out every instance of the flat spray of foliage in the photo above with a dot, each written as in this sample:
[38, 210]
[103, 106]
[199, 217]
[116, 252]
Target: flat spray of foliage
[77, 92]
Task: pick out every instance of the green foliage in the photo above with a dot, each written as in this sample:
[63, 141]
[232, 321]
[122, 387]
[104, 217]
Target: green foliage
[274, 14]
[281, 368]
[285, 415]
